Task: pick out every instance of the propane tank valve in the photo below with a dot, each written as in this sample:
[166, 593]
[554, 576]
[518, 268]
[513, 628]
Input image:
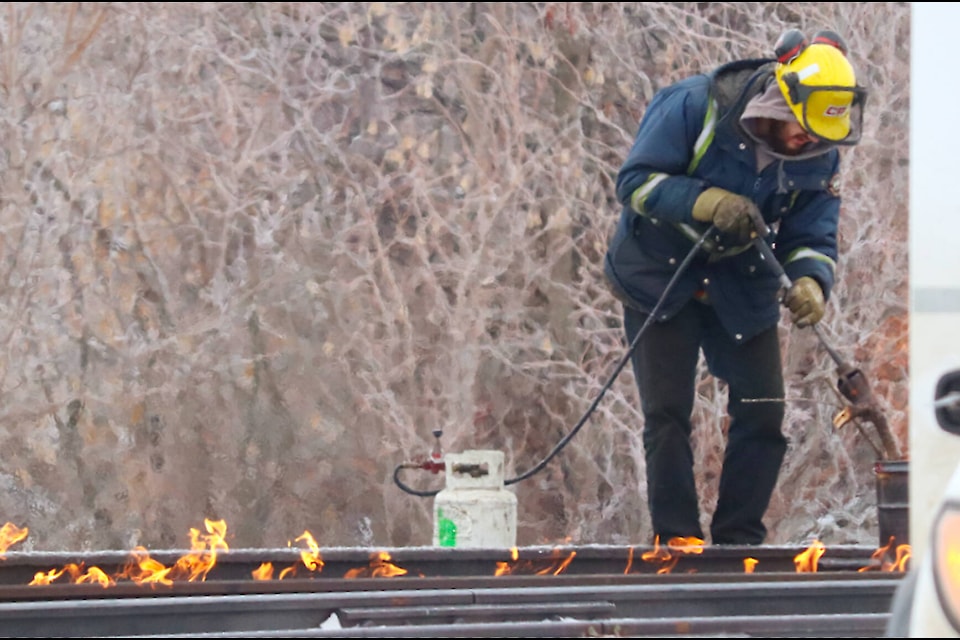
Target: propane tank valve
[435, 462]
[473, 470]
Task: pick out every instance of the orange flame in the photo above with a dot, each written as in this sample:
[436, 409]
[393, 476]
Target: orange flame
[902, 555]
[380, 566]
[263, 572]
[95, 574]
[77, 575]
[669, 560]
[504, 567]
[557, 564]
[656, 554]
[749, 564]
[686, 545]
[41, 578]
[142, 569]
[564, 564]
[629, 561]
[904, 552]
[311, 558]
[806, 561]
[203, 551]
[10, 534]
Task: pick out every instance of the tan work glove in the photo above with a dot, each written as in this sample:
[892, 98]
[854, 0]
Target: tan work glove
[727, 211]
[805, 301]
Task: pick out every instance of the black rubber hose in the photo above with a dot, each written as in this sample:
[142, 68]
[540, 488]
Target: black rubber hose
[410, 490]
[596, 402]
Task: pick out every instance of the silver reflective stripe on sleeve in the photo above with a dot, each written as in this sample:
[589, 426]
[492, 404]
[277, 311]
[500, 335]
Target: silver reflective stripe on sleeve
[705, 137]
[804, 252]
[639, 196]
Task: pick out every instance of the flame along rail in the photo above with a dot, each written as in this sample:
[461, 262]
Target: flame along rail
[21, 568]
[434, 592]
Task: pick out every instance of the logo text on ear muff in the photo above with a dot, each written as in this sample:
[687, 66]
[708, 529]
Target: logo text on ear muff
[835, 111]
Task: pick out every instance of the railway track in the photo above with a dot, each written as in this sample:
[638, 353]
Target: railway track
[432, 592]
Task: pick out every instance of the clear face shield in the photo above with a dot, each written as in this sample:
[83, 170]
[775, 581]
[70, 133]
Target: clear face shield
[831, 113]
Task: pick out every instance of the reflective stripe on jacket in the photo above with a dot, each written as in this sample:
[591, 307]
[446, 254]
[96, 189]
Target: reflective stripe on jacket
[690, 139]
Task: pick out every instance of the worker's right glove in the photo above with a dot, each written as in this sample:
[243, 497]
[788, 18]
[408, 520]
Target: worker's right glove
[727, 211]
[805, 301]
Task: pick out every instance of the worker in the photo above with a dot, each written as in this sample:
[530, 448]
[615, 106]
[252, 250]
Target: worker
[713, 154]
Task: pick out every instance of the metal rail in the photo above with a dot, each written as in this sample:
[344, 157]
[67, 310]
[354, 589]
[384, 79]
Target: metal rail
[647, 607]
[825, 626]
[438, 592]
[19, 568]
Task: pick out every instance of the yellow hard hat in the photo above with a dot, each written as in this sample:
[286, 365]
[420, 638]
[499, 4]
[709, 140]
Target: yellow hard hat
[820, 86]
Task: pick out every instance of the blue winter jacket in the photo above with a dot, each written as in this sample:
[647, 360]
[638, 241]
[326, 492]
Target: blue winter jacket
[689, 139]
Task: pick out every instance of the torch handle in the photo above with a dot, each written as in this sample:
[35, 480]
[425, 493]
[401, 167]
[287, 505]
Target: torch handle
[852, 384]
[766, 253]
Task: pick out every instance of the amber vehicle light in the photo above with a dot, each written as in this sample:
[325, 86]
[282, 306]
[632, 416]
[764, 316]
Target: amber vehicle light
[946, 561]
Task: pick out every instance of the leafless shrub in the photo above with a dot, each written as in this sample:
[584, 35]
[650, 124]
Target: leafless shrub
[254, 253]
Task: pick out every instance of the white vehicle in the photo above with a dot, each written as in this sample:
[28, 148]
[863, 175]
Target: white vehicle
[927, 604]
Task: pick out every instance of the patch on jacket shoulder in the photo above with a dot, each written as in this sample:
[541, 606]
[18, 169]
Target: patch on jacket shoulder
[834, 187]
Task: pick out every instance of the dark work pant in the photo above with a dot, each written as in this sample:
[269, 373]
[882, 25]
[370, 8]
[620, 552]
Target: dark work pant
[665, 366]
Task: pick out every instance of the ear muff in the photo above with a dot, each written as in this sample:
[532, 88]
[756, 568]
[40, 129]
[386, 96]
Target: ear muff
[826, 36]
[789, 45]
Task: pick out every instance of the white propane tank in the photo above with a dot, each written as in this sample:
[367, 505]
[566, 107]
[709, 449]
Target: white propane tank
[475, 510]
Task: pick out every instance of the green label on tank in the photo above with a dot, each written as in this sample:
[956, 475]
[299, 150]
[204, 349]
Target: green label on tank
[446, 530]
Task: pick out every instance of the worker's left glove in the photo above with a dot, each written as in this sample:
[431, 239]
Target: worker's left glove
[805, 301]
[729, 212]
